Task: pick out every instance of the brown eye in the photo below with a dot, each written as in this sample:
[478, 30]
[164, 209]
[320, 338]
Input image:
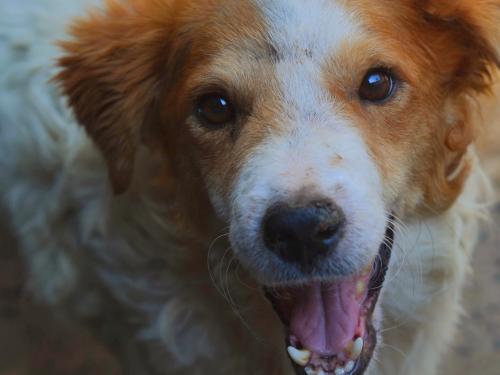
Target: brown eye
[214, 110]
[377, 86]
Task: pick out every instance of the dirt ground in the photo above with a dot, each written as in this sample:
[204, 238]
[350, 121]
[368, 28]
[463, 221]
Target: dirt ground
[34, 343]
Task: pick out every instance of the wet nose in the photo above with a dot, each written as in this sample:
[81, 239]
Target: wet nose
[301, 234]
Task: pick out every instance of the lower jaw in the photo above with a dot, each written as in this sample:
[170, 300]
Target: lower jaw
[348, 363]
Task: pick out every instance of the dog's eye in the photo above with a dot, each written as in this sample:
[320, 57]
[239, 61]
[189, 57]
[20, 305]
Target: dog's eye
[377, 86]
[214, 110]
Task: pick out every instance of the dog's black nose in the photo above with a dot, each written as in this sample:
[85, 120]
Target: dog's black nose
[302, 233]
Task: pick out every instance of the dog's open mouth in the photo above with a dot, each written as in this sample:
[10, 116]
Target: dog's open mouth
[329, 325]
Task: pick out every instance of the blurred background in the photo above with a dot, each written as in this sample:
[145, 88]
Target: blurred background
[34, 342]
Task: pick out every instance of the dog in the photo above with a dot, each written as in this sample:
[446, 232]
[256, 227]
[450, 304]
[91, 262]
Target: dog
[248, 187]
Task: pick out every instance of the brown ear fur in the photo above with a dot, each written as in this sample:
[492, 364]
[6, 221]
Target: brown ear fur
[111, 71]
[464, 38]
[475, 25]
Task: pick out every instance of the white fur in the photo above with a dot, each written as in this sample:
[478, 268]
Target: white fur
[299, 159]
[92, 254]
[301, 153]
[312, 29]
[422, 296]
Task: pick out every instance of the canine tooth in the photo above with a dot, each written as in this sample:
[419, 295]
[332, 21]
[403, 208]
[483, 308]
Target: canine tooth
[349, 366]
[357, 348]
[300, 357]
[340, 371]
[310, 371]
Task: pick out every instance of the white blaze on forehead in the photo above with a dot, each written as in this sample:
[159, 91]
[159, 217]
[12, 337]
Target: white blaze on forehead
[305, 35]
[312, 28]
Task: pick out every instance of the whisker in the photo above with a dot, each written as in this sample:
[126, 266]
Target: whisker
[399, 325]
[209, 266]
[220, 277]
[397, 350]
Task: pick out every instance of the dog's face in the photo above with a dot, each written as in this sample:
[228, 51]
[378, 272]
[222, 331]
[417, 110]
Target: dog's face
[307, 125]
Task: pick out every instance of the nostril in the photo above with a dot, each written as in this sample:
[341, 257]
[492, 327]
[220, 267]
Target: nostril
[327, 234]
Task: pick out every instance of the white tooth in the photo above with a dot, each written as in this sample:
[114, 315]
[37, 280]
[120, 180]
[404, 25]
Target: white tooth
[350, 366]
[311, 371]
[340, 371]
[300, 357]
[357, 348]
[321, 372]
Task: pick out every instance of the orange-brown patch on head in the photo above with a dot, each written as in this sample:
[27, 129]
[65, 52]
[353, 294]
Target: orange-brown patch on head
[385, 127]
[127, 67]
[238, 62]
[420, 137]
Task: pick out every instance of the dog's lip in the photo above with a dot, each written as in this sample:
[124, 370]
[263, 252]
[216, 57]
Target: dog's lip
[369, 335]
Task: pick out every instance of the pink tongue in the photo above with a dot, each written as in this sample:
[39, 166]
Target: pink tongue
[324, 317]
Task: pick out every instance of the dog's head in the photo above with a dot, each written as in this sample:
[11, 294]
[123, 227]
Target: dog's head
[307, 124]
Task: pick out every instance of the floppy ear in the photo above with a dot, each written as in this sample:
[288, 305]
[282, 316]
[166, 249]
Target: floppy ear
[111, 72]
[464, 39]
[470, 49]
[475, 27]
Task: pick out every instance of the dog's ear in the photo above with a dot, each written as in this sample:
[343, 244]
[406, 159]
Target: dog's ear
[474, 26]
[463, 37]
[111, 72]
[468, 46]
